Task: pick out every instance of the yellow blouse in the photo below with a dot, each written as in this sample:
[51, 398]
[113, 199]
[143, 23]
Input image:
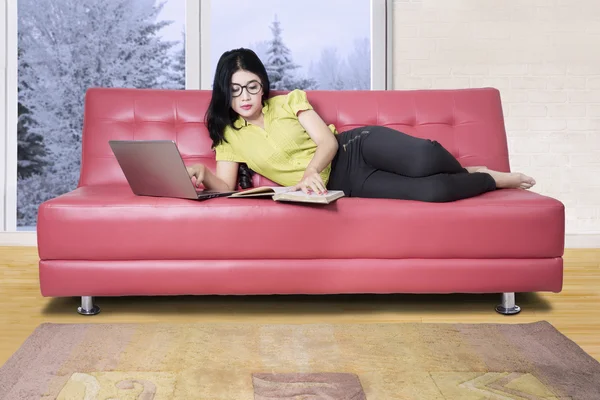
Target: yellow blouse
[280, 152]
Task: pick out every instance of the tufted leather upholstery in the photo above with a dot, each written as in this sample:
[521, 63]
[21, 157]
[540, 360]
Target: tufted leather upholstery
[469, 122]
[101, 239]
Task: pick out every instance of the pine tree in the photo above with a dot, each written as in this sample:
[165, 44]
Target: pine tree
[280, 66]
[31, 151]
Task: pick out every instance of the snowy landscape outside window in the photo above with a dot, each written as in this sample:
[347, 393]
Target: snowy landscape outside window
[310, 44]
[67, 46]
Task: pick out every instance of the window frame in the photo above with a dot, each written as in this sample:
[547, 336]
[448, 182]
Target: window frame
[197, 31]
[9, 115]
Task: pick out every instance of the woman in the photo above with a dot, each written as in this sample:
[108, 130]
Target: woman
[285, 140]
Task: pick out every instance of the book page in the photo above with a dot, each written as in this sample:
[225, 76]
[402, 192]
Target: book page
[285, 189]
[262, 190]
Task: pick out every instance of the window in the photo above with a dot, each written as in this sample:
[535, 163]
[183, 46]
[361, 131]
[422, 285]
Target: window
[65, 47]
[53, 50]
[312, 44]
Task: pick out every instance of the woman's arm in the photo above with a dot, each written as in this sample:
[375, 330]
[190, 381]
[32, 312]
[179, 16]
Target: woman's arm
[224, 178]
[320, 133]
[327, 147]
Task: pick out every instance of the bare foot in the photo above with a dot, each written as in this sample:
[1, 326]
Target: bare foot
[509, 180]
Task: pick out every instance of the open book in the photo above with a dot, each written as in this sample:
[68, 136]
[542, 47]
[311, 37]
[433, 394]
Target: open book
[287, 194]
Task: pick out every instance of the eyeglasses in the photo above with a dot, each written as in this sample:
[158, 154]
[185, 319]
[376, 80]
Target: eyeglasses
[252, 87]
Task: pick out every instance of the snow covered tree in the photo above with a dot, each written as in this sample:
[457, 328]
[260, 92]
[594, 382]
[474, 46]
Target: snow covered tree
[334, 72]
[358, 75]
[70, 46]
[330, 70]
[31, 151]
[305, 83]
[280, 66]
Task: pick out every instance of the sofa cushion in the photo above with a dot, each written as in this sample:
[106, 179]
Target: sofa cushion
[111, 223]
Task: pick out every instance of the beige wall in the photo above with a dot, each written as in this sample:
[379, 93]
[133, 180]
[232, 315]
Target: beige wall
[544, 57]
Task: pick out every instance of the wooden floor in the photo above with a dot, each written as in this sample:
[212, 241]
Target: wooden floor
[575, 311]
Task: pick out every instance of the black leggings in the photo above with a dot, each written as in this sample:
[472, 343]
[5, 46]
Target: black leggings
[380, 162]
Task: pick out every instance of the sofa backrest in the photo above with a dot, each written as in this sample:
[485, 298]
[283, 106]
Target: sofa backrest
[468, 122]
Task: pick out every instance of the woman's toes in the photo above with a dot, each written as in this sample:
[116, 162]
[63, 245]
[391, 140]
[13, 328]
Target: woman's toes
[527, 181]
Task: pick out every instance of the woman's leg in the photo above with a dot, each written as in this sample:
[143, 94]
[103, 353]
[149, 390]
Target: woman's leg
[434, 188]
[390, 150]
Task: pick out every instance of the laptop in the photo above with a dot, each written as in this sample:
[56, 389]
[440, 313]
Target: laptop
[155, 168]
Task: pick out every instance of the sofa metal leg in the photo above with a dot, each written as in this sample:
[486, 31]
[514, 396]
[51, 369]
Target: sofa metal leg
[508, 306]
[87, 306]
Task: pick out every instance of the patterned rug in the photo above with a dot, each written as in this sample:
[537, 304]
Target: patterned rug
[260, 362]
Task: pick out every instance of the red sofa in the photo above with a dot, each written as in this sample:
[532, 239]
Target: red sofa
[101, 240]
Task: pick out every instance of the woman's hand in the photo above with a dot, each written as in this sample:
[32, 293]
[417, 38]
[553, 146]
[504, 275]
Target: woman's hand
[311, 181]
[198, 171]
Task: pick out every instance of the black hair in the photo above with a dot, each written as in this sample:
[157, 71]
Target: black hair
[219, 114]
